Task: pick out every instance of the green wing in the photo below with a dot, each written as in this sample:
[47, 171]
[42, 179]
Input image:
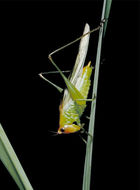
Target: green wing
[78, 67]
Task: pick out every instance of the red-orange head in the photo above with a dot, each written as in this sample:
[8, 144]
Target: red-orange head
[68, 128]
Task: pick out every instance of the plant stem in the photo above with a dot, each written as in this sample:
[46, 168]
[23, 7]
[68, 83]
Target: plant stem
[89, 147]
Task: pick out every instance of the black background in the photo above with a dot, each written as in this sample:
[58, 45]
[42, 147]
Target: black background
[29, 106]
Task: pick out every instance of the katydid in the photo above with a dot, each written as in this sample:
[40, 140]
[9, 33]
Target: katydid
[75, 96]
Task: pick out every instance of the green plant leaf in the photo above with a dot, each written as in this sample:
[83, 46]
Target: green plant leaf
[11, 162]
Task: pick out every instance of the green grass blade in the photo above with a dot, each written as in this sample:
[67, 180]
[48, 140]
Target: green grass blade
[106, 16]
[11, 162]
[89, 147]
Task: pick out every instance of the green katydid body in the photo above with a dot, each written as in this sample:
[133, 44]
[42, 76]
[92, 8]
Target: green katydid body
[75, 96]
[78, 85]
[70, 109]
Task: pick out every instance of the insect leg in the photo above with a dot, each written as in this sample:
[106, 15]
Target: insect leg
[74, 92]
[58, 69]
[89, 134]
[50, 58]
[87, 117]
[56, 86]
[77, 39]
[52, 72]
[83, 139]
[84, 131]
[68, 83]
[88, 100]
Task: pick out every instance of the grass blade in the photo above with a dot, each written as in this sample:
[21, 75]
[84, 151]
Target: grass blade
[11, 162]
[89, 147]
[106, 16]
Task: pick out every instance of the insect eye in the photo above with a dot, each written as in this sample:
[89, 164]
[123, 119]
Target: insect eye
[62, 130]
[75, 123]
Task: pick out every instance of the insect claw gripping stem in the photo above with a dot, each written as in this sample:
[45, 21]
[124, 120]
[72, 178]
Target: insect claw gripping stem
[87, 117]
[102, 22]
[84, 131]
